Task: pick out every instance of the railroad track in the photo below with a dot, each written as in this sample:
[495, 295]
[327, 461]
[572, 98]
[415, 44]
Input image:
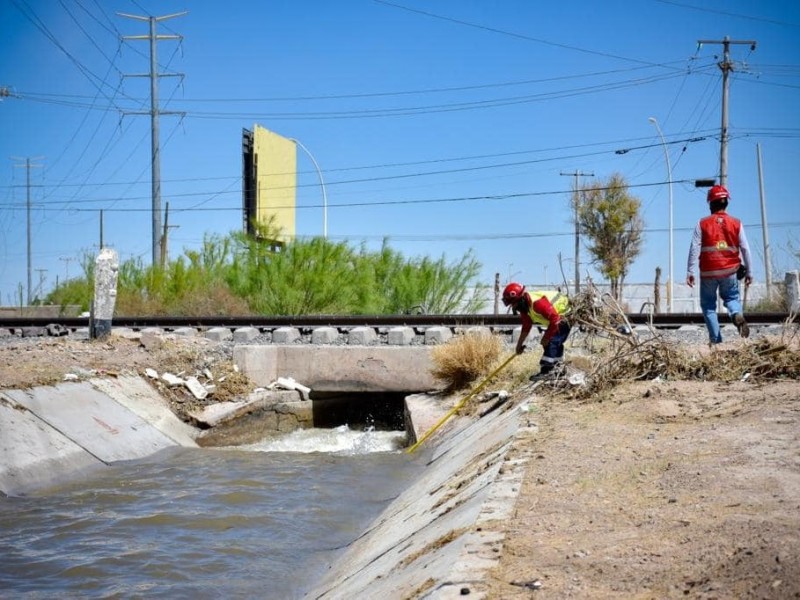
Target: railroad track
[659, 321]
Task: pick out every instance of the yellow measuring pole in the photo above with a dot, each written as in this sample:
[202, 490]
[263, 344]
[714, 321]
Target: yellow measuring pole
[455, 409]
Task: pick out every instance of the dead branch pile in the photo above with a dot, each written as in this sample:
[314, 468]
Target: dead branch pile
[620, 355]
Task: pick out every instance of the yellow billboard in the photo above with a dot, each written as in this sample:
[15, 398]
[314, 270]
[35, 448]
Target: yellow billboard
[270, 181]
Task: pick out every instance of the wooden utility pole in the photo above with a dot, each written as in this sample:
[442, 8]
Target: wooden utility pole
[726, 66]
[575, 192]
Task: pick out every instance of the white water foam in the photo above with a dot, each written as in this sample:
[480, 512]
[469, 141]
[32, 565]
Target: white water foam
[341, 440]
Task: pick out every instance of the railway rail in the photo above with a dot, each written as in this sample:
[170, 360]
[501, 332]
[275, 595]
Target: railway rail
[658, 321]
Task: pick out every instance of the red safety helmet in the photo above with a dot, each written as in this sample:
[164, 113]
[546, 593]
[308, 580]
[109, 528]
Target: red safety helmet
[718, 192]
[513, 293]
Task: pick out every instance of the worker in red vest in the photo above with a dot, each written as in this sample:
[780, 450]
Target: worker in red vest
[546, 309]
[721, 246]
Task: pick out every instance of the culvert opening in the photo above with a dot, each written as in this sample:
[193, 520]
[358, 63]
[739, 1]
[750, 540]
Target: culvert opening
[383, 411]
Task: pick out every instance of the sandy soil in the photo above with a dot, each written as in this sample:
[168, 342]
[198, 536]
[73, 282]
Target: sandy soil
[38, 361]
[655, 490]
[660, 490]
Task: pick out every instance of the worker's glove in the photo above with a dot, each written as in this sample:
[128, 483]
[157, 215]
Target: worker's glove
[690, 280]
[545, 342]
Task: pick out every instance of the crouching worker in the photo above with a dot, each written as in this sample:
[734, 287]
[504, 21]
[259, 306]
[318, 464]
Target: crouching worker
[546, 309]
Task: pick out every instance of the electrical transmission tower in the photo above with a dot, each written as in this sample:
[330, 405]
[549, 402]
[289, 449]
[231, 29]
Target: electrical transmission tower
[154, 113]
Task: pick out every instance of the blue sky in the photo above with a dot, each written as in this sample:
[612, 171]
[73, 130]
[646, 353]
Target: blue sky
[442, 126]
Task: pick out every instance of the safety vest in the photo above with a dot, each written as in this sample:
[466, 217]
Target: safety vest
[559, 301]
[719, 246]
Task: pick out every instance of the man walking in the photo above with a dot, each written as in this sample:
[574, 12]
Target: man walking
[720, 244]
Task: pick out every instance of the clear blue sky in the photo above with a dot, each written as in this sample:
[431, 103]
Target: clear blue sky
[443, 126]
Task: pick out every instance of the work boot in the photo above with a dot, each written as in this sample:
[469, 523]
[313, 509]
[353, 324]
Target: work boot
[541, 375]
[741, 325]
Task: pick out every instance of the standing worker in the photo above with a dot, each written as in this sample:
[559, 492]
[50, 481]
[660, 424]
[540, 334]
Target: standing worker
[721, 245]
[546, 309]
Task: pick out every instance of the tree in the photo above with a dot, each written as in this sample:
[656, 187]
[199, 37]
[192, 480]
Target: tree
[609, 217]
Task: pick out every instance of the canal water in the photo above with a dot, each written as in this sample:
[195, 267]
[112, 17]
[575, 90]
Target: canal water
[262, 521]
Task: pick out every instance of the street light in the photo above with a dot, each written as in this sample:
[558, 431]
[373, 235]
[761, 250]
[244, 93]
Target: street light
[322, 185]
[669, 179]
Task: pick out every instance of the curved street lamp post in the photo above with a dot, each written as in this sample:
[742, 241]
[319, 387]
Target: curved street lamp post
[321, 184]
[669, 181]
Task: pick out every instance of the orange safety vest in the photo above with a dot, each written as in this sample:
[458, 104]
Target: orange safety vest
[719, 245]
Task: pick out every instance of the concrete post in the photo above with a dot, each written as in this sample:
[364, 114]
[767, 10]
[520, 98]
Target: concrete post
[793, 290]
[105, 292]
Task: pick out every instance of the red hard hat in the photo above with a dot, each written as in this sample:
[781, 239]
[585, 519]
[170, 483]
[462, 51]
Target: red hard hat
[513, 293]
[718, 192]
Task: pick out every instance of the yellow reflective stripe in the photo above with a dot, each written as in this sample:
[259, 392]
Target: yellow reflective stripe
[715, 249]
[730, 271]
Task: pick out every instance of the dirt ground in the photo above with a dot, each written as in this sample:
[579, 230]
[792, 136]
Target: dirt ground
[38, 361]
[679, 489]
[659, 490]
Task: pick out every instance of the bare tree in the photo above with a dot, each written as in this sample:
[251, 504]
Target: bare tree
[608, 216]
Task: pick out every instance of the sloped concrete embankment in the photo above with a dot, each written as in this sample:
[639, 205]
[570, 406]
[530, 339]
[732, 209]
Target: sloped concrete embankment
[52, 434]
[435, 540]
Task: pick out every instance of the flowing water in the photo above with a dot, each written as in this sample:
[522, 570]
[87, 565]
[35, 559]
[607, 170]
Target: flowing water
[262, 521]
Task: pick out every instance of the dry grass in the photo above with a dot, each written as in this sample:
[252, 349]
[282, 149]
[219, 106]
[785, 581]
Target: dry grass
[465, 358]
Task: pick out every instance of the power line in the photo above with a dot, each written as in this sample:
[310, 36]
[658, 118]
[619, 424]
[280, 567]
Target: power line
[495, 197]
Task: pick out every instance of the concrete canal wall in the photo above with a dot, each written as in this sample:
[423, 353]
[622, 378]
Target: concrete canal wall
[433, 541]
[51, 434]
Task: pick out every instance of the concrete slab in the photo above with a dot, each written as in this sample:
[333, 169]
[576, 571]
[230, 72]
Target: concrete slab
[362, 336]
[218, 334]
[243, 335]
[324, 335]
[400, 336]
[358, 368]
[437, 335]
[92, 420]
[135, 394]
[33, 454]
[423, 412]
[285, 335]
[427, 543]
[259, 362]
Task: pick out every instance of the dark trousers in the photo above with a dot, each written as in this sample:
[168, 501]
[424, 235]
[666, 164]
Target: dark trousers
[554, 351]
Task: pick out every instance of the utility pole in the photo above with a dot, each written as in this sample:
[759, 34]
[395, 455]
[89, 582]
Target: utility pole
[154, 113]
[39, 289]
[165, 238]
[764, 226]
[726, 66]
[67, 259]
[575, 193]
[28, 166]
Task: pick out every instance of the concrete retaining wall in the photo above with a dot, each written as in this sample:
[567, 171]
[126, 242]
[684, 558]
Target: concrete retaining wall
[340, 368]
[50, 434]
